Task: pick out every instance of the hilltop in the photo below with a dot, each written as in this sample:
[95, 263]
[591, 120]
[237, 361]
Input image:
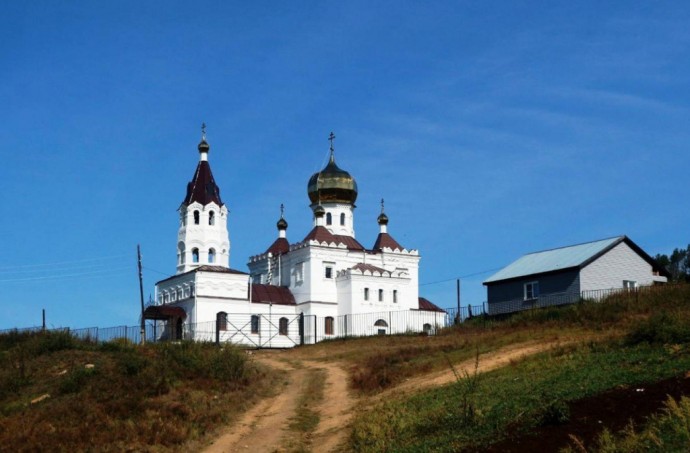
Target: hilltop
[569, 377]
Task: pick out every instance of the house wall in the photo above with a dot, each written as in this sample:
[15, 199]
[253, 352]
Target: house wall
[505, 297]
[618, 264]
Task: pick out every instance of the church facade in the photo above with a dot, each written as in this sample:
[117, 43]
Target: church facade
[326, 285]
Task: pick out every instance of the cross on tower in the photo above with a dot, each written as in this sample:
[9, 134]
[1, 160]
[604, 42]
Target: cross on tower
[282, 210]
[203, 131]
[382, 205]
[330, 139]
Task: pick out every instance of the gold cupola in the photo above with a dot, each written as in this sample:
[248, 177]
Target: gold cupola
[332, 184]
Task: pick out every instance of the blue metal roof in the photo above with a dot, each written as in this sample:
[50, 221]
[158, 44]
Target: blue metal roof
[553, 260]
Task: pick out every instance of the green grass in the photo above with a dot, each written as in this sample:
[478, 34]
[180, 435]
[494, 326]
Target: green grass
[629, 339]
[517, 398]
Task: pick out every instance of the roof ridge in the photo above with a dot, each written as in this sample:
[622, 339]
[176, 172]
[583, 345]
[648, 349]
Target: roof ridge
[576, 245]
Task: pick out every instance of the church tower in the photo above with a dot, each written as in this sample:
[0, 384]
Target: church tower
[335, 190]
[203, 235]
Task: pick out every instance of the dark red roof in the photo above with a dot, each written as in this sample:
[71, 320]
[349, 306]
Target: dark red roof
[368, 267]
[386, 240]
[265, 294]
[425, 304]
[163, 312]
[207, 268]
[280, 245]
[202, 188]
[321, 234]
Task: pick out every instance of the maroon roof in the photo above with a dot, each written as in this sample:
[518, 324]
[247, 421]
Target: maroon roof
[425, 304]
[280, 245]
[207, 268]
[163, 312]
[368, 267]
[202, 188]
[321, 234]
[265, 294]
[386, 240]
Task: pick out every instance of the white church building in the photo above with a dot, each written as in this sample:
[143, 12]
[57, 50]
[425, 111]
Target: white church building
[325, 285]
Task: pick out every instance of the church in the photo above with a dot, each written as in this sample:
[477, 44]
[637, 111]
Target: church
[325, 285]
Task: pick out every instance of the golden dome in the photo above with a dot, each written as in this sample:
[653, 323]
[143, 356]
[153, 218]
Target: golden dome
[332, 185]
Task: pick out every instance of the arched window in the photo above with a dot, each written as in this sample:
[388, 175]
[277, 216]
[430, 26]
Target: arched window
[211, 218]
[211, 255]
[195, 255]
[283, 326]
[382, 325]
[180, 252]
[183, 218]
[329, 219]
[366, 293]
[342, 218]
[255, 323]
[380, 295]
[222, 321]
[196, 217]
[329, 325]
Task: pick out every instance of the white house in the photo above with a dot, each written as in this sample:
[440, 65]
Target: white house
[324, 285]
[563, 275]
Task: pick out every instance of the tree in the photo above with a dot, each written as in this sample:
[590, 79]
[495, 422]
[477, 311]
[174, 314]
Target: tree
[677, 264]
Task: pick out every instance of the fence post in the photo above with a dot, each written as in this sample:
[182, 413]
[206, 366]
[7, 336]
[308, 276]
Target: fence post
[301, 328]
[217, 331]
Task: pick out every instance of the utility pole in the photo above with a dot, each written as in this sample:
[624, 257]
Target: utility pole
[44, 319]
[141, 296]
[458, 317]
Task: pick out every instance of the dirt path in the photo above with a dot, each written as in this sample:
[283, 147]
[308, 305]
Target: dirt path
[265, 427]
[487, 362]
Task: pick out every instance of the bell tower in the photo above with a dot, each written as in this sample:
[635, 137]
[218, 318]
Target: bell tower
[202, 238]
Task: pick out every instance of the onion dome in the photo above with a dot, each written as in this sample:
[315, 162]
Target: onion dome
[332, 184]
[383, 218]
[203, 145]
[282, 223]
[319, 211]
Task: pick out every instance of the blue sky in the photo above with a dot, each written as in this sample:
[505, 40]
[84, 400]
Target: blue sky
[492, 129]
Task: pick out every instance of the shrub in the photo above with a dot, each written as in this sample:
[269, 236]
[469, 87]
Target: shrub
[661, 328]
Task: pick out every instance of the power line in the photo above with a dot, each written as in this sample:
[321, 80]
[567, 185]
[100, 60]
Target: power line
[98, 273]
[112, 257]
[462, 276]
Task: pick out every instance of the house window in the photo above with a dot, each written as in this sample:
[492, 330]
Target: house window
[196, 217]
[366, 293]
[329, 272]
[329, 219]
[629, 284]
[222, 321]
[342, 218]
[395, 296]
[195, 255]
[329, 325]
[283, 326]
[255, 323]
[211, 255]
[531, 290]
[211, 218]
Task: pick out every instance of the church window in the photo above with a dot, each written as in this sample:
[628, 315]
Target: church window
[195, 255]
[342, 219]
[196, 217]
[255, 323]
[380, 295]
[427, 328]
[222, 320]
[395, 296]
[211, 255]
[329, 325]
[299, 272]
[366, 293]
[283, 326]
[329, 219]
[180, 252]
[211, 218]
[329, 272]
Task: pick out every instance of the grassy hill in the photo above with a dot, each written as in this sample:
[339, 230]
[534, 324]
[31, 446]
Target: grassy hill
[604, 365]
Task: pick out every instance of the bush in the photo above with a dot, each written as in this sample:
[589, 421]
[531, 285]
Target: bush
[661, 328]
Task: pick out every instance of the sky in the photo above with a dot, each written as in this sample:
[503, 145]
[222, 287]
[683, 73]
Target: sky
[492, 129]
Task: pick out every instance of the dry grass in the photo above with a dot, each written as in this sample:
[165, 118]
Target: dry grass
[118, 397]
